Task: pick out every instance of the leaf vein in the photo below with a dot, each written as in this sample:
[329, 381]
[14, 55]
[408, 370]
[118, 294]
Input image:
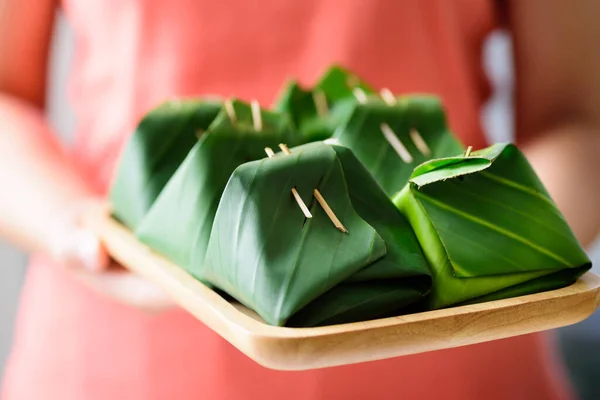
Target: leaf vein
[493, 227]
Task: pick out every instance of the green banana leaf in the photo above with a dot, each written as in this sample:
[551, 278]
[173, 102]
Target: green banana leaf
[300, 105]
[411, 120]
[338, 84]
[488, 228]
[317, 122]
[179, 223]
[159, 144]
[300, 271]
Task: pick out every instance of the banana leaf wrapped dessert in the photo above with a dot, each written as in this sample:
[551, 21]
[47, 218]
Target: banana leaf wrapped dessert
[317, 112]
[159, 144]
[340, 84]
[308, 238]
[391, 136]
[179, 223]
[488, 228]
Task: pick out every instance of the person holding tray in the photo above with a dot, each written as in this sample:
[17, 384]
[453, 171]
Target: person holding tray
[87, 329]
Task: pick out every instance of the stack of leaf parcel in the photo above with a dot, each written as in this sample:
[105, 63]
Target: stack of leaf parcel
[340, 204]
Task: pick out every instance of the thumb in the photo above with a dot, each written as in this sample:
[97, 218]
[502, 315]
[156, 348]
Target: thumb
[79, 248]
[83, 250]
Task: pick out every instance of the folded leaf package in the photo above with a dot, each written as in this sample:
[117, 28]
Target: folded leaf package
[299, 271]
[488, 228]
[391, 136]
[179, 223]
[158, 146]
[317, 112]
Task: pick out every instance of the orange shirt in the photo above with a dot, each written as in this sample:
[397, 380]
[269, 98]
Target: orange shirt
[131, 54]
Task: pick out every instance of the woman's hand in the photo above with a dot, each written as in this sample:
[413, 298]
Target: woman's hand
[557, 96]
[80, 251]
[38, 181]
[126, 288]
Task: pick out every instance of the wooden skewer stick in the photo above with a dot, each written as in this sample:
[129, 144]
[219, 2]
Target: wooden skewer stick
[393, 140]
[360, 95]
[420, 142]
[352, 81]
[256, 116]
[319, 198]
[299, 200]
[329, 211]
[269, 152]
[388, 96]
[284, 148]
[230, 111]
[320, 103]
[468, 152]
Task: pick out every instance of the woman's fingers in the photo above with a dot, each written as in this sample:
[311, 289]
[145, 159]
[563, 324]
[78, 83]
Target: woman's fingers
[81, 249]
[82, 253]
[128, 288]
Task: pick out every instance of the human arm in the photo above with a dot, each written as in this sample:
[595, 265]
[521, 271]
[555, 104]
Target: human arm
[41, 194]
[557, 102]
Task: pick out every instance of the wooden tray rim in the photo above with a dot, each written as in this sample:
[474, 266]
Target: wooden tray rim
[279, 347]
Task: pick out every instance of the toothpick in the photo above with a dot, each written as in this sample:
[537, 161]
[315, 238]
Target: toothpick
[284, 148]
[388, 96]
[393, 140]
[320, 103]
[230, 111]
[352, 81]
[329, 211]
[303, 207]
[269, 152]
[319, 197]
[468, 151]
[256, 116]
[360, 95]
[420, 142]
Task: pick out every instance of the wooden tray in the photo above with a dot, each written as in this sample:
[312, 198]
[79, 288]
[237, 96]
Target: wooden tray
[306, 348]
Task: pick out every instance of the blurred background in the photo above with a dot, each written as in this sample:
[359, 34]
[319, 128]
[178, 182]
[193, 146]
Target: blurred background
[579, 343]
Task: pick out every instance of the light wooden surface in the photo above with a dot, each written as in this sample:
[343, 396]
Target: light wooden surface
[307, 348]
